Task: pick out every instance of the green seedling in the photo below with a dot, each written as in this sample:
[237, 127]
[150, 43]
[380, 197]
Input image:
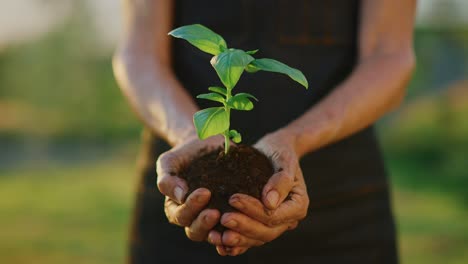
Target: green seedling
[229, 64]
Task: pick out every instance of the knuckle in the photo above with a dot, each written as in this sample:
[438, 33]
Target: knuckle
[286, 177]
[164, 160]
[293, 225]
[287, 180]
[231, 241]
[248, 232]
[162, 185]
[272, 222]
[165, 157]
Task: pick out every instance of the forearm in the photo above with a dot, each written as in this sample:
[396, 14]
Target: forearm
[155, 95]
[376, 86]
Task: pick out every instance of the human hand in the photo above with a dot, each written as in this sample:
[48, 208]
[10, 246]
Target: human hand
[285, 202]
[189, 213]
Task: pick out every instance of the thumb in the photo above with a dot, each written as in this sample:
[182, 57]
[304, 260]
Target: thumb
[278, 188]
[167, 169]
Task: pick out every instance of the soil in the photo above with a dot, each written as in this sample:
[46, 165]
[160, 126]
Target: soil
[243, 170]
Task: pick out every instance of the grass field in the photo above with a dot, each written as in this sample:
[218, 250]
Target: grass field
[79, 213]
[66, 214]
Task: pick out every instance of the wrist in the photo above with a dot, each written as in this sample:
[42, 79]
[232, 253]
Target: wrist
[183, 137]
[287, 137]
[296, 138]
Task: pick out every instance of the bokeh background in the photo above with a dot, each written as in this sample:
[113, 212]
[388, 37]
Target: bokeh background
[68, 141]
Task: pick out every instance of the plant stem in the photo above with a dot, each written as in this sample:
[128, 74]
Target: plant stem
[227, 142]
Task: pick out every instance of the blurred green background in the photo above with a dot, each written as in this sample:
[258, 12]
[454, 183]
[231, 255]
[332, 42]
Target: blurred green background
[68, 141]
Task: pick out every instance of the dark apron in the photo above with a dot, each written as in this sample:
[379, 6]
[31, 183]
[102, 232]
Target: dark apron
[349, 219]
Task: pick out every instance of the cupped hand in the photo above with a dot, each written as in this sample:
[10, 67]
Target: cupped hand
[284, 201]
[188, 212]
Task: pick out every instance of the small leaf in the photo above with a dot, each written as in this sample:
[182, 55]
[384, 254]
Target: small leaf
[211, 121]
[229, 66]
[251, 68]
[220, 90]
[235, 136]
[213, 97]
[251, 52]
[247, 95]
[276, 66]
[241, 102]
[201, 37]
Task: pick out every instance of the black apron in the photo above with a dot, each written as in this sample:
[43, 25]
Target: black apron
[349, 219]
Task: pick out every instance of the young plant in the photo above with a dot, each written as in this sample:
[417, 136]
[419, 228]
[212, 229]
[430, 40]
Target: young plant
[229, 64]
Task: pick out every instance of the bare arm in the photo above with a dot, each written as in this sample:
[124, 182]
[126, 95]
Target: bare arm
[142, 66]
[376, 86]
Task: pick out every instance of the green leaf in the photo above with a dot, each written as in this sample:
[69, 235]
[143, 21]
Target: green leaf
[241, 102]
[220, 90]
[211, 121]
[276, 66]
[229, 66]
[235, 136]
[213, 97]
[251, 52]
[201, 37]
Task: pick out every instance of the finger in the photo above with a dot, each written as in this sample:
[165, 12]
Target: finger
[201, 226]
[251, 207]
[184, 214]
[221, 250]
[294, 208]
[252, 228]
[230, 238]
[168, 183]
[233, 239]
[277, 188]
[214, 238]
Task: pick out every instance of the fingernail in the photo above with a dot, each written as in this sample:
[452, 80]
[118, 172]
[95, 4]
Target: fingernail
[272, 198]
[179, 193]
[231, 224]
[236, 203]
[200, 198]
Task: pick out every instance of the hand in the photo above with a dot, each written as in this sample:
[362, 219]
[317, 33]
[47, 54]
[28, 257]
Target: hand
[285, 201]
[188, 213]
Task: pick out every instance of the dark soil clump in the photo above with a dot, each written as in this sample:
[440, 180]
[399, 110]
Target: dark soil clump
[243, 170]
